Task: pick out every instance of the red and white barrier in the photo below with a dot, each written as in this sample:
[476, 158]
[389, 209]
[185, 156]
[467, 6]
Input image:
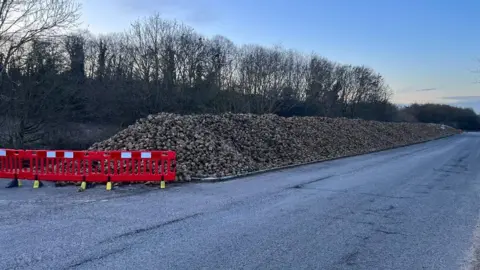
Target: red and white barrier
[88, 166]
[10, 163]
[54, 165]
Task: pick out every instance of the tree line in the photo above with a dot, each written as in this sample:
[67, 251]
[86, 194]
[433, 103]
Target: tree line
[55, 79]
[461, 118]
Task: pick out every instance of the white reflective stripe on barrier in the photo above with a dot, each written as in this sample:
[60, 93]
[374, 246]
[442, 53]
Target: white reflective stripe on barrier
[126, 155]
[146, 155]
[68, 155]
[3, 153]
[51, 154]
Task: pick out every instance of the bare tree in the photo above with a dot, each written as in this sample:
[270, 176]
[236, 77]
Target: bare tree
[24, 24]
[22, 21]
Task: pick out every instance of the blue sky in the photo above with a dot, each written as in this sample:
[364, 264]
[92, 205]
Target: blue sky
[428, 51]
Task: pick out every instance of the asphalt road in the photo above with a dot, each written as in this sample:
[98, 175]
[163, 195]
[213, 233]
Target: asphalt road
[415, 207]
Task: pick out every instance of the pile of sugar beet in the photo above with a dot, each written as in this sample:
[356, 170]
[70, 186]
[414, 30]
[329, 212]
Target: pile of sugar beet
[231, 144]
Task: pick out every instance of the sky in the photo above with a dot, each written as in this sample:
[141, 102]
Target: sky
[427, 50]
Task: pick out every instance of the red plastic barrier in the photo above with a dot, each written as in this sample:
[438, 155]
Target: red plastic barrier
[89, 166]
[54, 165]
[10, 163]
[95, 164]
[126, 166]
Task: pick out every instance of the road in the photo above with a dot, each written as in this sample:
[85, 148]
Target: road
[415, 207]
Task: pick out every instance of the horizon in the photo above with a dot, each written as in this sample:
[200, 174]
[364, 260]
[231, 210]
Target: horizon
[426, 52]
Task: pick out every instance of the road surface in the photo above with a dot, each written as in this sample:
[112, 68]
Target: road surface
[415, 207]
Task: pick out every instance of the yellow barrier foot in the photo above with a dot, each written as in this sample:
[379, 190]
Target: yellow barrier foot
[162, 184]
[14, 183]
[37, 184]
[83, 187]
[109, 186]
